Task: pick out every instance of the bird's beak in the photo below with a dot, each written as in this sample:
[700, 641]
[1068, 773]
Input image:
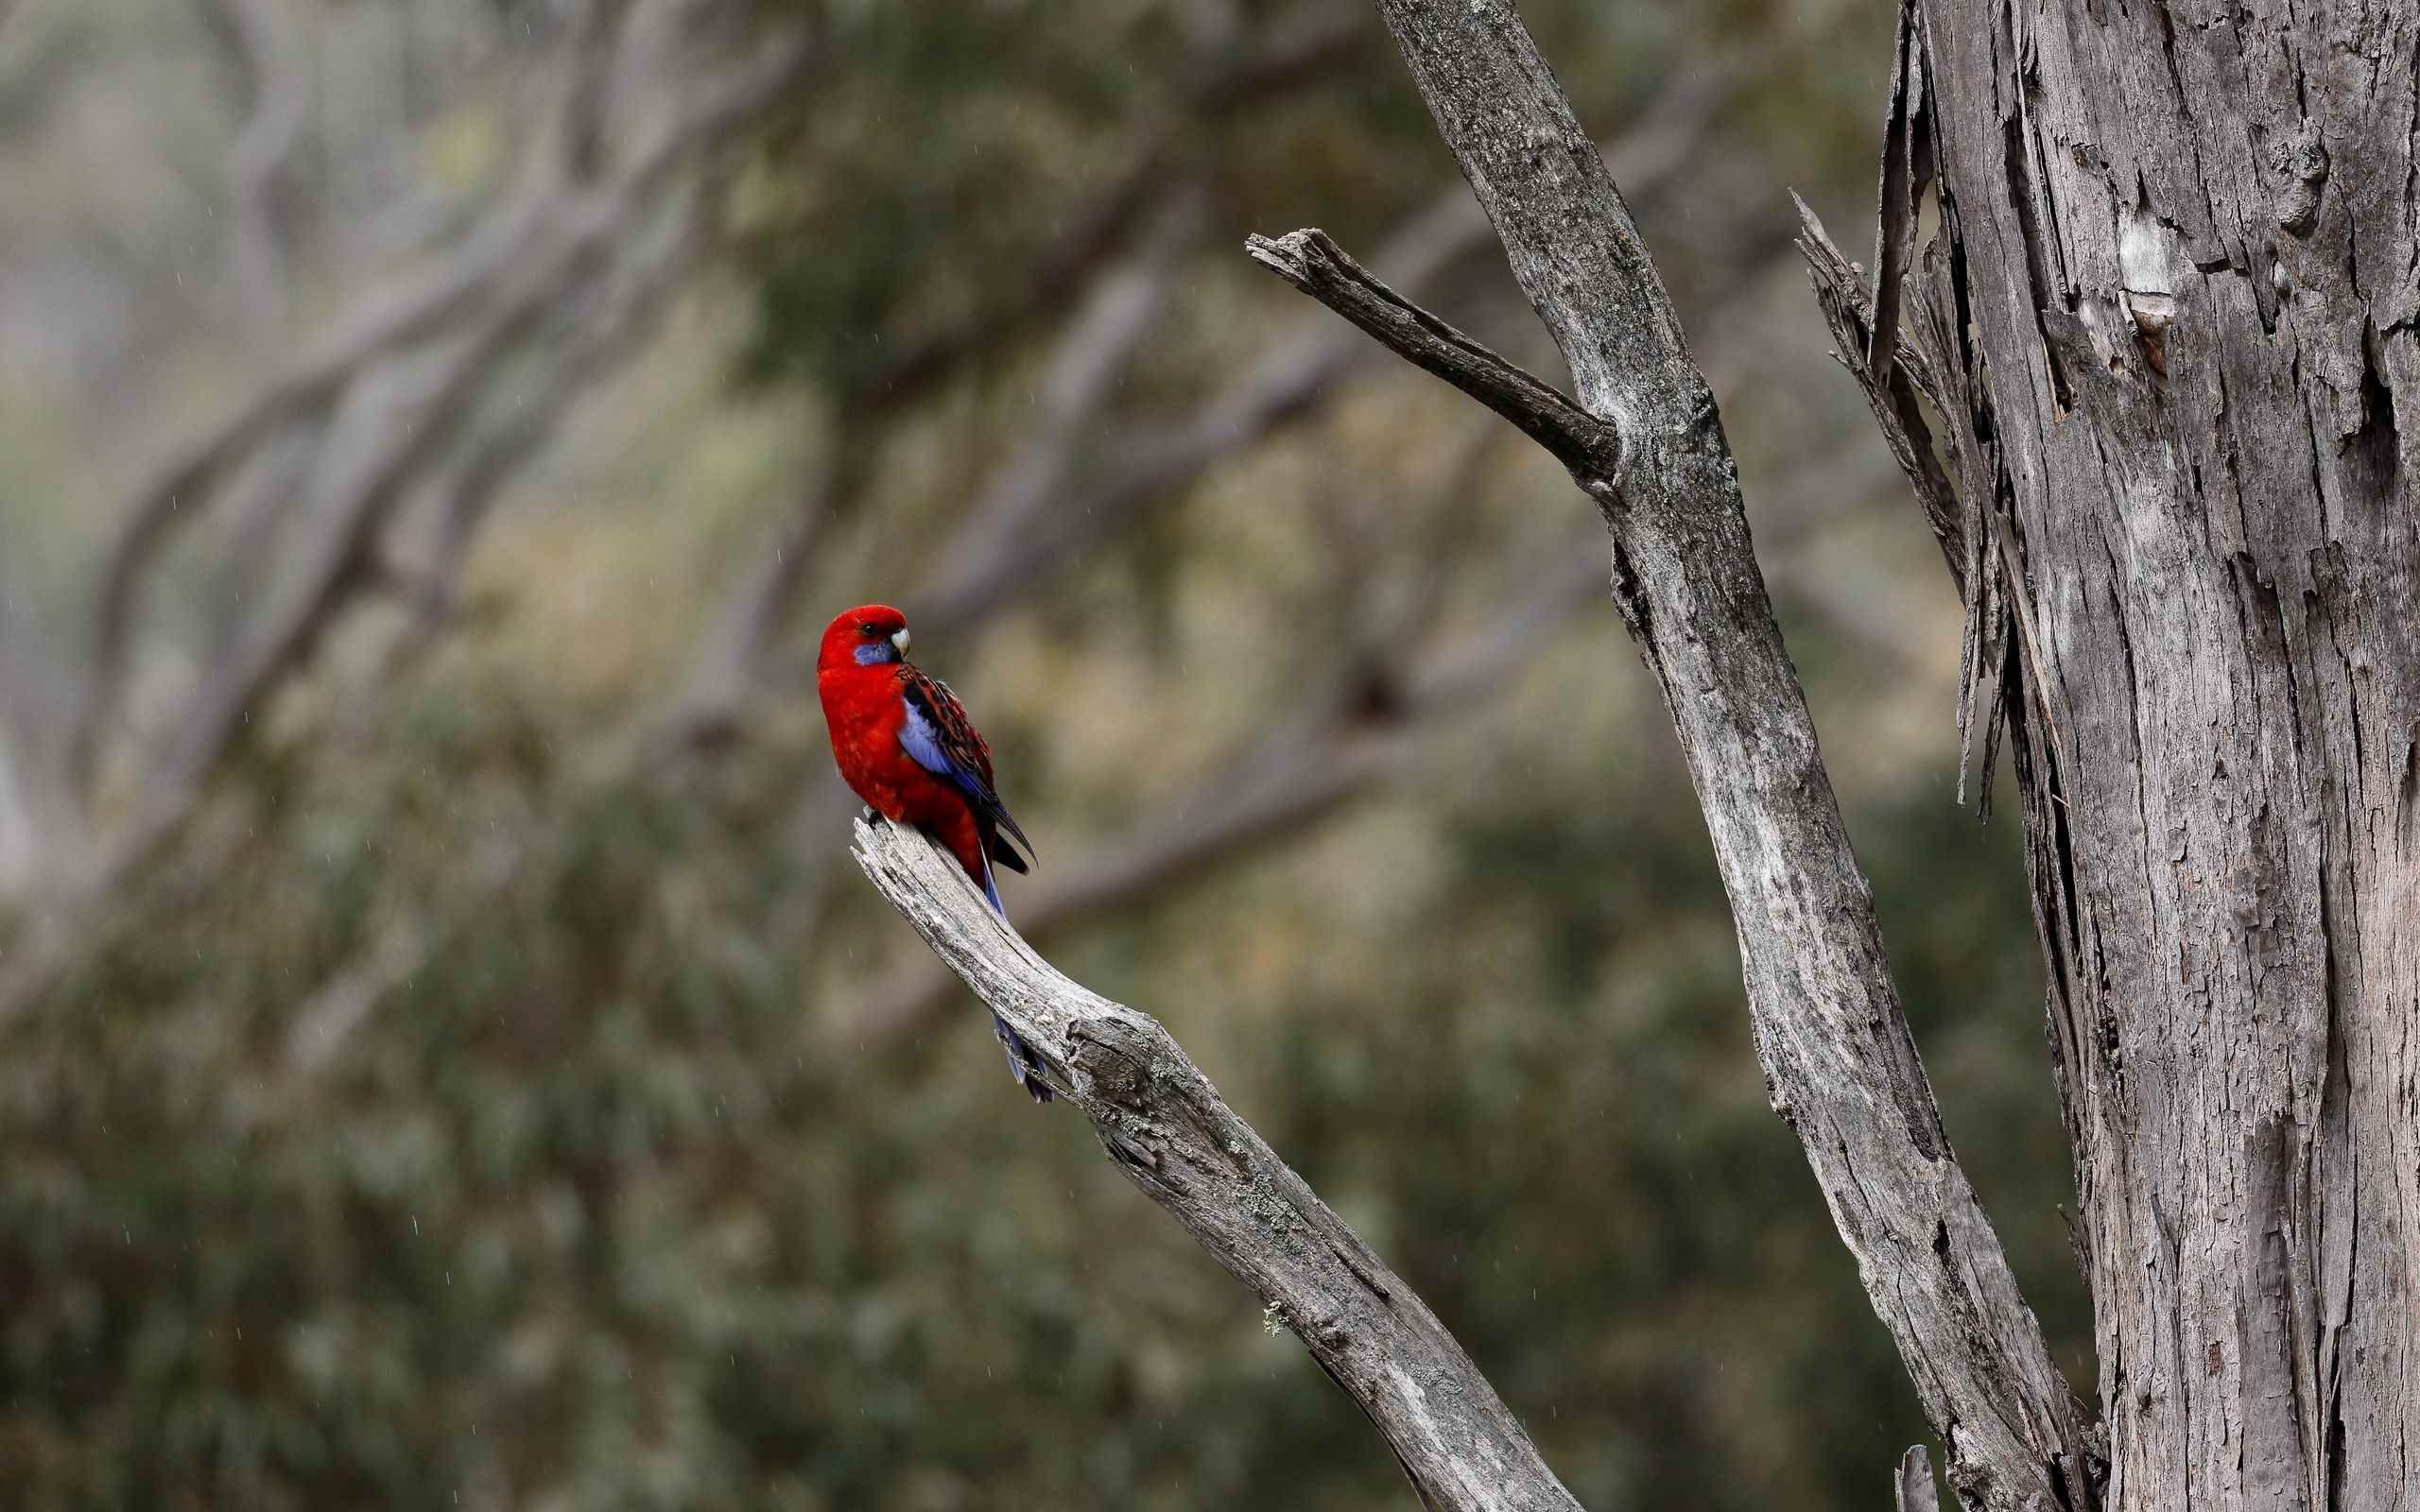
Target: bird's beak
[899, 640]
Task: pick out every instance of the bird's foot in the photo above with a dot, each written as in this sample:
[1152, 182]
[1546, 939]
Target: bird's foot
[866, 812]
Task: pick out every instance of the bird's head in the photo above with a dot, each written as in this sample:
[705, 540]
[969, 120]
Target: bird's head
[869, 635]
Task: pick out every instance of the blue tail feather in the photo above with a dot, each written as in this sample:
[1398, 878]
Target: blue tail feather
[1023, 1064]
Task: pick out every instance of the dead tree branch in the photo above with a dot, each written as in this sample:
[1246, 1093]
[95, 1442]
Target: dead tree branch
[1831, 1030]
[1312, 262]
[1167, 1129]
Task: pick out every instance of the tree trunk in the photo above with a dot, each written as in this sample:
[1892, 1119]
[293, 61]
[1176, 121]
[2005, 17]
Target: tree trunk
[2181, 315]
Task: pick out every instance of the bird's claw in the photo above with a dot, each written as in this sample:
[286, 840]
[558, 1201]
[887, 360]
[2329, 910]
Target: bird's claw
[866, 812]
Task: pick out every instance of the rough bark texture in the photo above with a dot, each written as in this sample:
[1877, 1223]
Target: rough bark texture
[1829, 1027]
[2179, 336]
[1167, 1129]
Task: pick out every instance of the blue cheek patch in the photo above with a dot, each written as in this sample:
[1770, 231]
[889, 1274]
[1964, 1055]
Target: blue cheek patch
[874, 653]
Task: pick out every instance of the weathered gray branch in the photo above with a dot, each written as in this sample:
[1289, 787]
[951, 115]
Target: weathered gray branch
[1839, 1061]
[1169, 1129]
[1312, 262]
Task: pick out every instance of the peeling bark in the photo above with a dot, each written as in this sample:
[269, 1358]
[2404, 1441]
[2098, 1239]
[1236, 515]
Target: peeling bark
[2182, 243]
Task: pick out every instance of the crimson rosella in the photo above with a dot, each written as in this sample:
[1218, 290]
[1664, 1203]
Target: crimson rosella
[905, 745]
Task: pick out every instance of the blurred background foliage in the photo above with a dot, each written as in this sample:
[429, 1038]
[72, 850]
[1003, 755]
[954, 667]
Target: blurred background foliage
[473, 1076]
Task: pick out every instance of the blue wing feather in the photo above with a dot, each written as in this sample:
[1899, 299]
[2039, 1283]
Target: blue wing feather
[938, 737]
[923, 743]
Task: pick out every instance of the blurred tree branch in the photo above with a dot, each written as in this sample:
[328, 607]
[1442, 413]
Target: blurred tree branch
[1173, 1136]
[1007, 546]
[265, 48]
[733, 663]
[381, 418]
[40, 824]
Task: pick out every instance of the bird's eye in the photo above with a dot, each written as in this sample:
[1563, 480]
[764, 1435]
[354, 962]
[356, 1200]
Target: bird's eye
[867, 627]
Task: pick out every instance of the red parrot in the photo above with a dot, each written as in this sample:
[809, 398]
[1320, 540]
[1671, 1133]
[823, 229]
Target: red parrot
[903, 744]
